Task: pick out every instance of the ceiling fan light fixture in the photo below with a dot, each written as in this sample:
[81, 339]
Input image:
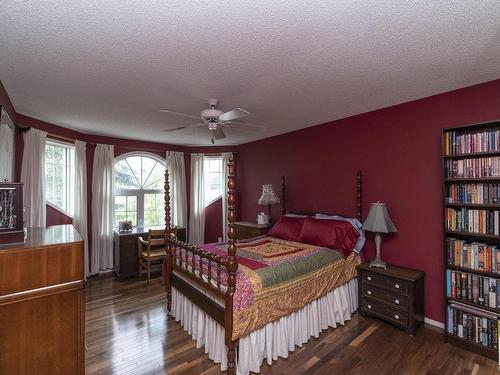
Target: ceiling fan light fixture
[212, 125]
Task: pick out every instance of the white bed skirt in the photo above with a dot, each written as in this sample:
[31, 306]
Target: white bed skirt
[275, 339]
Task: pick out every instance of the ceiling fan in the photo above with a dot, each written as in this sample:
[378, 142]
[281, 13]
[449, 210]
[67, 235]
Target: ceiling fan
[214, 119]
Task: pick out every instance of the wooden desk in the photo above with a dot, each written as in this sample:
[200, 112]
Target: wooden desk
[125, 250]
[42, 303]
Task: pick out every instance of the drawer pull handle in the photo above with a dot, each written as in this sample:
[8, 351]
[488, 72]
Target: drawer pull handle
[369, 306]
[396, 301]
[396, 317]
[369, 278]
[369, 292]
[396, 286]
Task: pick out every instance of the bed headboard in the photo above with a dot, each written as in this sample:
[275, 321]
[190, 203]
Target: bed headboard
[359, 200]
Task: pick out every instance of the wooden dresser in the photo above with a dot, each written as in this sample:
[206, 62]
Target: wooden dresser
[248, 229]
[42, 290]
[125, 250]
[395, 294]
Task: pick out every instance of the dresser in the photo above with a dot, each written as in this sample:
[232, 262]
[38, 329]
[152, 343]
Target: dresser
[395, 294]
[42, 303]
[125, 250]
[249, 229]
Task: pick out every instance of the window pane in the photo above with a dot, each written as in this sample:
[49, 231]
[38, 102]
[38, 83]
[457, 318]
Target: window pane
[154, 210]
[156, 178]
[59, 175]
[124, 178]
[120, 203]
[213, 179]
[134, 162]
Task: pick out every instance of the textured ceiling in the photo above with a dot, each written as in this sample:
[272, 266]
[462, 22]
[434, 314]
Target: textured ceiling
[108, 67]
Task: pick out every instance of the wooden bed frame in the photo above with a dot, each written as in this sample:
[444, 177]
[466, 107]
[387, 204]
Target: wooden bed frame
[177, 259]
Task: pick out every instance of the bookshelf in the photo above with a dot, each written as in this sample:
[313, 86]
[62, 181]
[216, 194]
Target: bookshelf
[471, 222]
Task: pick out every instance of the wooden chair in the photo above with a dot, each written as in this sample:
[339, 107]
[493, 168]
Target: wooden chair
[152, 252]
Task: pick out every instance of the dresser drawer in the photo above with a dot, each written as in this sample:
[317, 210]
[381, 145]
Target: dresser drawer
[385, 311]
[371, 291]
[385, 282]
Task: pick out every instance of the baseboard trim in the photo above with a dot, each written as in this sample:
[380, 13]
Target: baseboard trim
[434, 323]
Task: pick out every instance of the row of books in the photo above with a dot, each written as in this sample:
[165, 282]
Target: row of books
[475, 256]
[468, 287]
[473, 325]
[473, 168]
[473, 221]
[456, 143]
[488, 193]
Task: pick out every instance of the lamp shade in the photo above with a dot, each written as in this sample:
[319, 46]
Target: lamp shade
[268, 195]
[378, 219]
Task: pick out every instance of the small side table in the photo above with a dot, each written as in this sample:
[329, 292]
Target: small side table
[395, 294]
[248, 229]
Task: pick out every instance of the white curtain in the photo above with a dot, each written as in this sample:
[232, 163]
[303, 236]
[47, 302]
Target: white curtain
[197, 212]
[33, 177]
[80, 214]
[102, 209]
[6, 152]
[178, 193]
[225, 169]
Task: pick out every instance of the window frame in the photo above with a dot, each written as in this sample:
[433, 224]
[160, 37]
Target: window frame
[70, 173]
[208, 158]
[138, 193]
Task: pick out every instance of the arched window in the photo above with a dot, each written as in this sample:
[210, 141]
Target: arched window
[139, 184]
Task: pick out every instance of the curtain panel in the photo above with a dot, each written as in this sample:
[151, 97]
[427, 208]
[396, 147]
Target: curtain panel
[102, 209]
[33, 177]
[178, 193]
[197, 211]
[80, 186]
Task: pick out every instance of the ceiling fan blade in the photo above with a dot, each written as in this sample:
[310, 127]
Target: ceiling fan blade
[263, 127]
[218, 133]
[233, 114]
[181, 127]
[178, 113]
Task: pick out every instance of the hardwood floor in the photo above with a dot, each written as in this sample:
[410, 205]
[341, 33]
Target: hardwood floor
[128, 332]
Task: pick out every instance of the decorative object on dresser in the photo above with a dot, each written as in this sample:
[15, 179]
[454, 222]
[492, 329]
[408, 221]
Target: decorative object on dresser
[268, 198]
[125, 250]
[151, 252]
[125, 226]
[379, 221]
[11, 213]
[394, 294]
[42, 303]
[471, 217]
[248, 229]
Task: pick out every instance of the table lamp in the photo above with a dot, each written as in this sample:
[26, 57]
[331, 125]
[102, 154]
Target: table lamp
[379, 221]
[268, 198]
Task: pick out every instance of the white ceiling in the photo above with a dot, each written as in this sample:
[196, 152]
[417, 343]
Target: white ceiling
[108, 67]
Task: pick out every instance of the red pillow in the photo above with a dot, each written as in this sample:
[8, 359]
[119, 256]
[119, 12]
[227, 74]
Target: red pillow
[334, 234]
[287, 228]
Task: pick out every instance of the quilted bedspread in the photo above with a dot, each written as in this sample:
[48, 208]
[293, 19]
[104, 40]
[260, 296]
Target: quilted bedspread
[276, 277]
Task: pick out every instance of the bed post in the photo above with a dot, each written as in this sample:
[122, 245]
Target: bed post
[232, 266]
[359, 197]
[168, 259]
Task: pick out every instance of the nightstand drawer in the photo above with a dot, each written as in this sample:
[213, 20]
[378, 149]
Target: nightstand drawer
[385, 282]
[395, 299]
[385, 311]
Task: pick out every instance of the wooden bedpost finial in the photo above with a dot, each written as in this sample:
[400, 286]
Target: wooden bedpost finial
[359, 197]
[283, 196]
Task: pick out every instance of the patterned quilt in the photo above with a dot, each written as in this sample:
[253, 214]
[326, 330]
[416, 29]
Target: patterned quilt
[276, 277]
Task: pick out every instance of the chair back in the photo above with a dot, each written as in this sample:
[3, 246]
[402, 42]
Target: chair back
[155, 239]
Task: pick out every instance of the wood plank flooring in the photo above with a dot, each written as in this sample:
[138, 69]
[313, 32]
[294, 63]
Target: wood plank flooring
[128, 333]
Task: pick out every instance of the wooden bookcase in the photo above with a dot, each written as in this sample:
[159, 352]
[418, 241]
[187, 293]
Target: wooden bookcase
[448, 155]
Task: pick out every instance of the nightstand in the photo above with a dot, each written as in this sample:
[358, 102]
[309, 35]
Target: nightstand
[248, 229]
[395, 295]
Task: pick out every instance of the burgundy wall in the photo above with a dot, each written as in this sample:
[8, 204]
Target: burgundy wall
[398, 149]
[213, 221]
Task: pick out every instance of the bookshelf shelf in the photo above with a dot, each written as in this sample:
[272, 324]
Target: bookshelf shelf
[476, 272]
[483, 138]
[473, 205]
[475, 305]
[471, 155]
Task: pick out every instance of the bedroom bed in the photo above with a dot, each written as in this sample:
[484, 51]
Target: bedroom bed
[257, 299]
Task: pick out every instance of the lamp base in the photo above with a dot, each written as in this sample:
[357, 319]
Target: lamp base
[377, 262]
